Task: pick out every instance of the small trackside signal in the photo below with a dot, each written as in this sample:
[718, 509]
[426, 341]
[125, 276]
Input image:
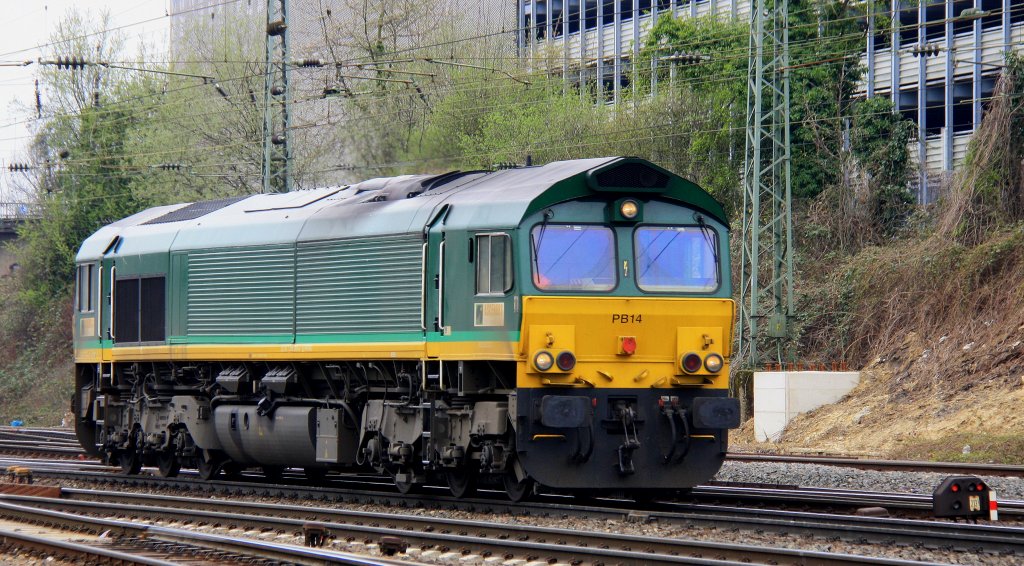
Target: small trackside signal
[964, 497]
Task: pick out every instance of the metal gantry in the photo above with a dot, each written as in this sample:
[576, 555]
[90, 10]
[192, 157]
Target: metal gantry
[766, 274]
[277, 156]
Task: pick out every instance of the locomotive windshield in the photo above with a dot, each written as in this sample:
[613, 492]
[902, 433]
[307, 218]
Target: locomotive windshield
[573, 258]
[676, 259]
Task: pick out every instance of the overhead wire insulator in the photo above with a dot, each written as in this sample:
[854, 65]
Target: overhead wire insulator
[276, 28]
[685, 57]
[308, 63]
[19, 167]
[71, 63]
[926, 50]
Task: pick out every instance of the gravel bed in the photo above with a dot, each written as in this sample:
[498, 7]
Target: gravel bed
[816, 475]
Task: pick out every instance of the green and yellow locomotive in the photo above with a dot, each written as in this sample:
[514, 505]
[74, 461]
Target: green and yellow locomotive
[566, 326]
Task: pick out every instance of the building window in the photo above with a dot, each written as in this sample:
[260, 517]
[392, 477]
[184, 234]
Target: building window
[608, 12]
[907, 18]
[1016, 11]
[540, 18]
[493, 264]
[590, 14]
[907, 104]
[556, 18]
[988, 87]
[962, 25]
[935, 109]
[574, 16]
[935, 20]
[963, 111]
[626, 9]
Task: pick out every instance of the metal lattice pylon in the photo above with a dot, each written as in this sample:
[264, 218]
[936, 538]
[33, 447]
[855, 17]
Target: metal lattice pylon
[277, 157]
[766, 275]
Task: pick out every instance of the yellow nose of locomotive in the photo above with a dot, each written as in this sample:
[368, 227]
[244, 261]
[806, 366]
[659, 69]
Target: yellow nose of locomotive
[625, 343]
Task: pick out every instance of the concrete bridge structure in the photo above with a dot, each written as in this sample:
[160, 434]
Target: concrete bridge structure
[12, 215]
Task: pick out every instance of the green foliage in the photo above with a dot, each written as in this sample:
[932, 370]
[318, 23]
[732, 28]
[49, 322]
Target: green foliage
[722, 46]
[495, 122]
[989, 193]
[880, 139]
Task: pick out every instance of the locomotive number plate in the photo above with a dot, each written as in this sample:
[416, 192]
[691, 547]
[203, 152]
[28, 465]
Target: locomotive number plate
[627, 318]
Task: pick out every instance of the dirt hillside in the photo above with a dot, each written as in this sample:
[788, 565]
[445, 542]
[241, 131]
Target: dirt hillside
[958, 396]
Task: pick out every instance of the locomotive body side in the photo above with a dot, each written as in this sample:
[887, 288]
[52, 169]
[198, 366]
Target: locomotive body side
[405, 325]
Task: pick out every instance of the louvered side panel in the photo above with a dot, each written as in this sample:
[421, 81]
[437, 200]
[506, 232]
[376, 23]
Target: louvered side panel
[360, 285]
[241, 292]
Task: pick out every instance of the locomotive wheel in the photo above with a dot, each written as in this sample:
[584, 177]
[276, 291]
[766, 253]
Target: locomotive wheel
[232, 470]
[517, 490]
[405, 486]
[461, 483]
[315, 475]
[273, 473]
[207, 465]
[168, 464]
[130, 461]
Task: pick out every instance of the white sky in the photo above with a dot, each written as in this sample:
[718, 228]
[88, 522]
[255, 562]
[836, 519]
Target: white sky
[29, 24]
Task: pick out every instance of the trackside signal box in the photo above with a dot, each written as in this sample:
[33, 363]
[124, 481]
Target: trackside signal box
[964, 497]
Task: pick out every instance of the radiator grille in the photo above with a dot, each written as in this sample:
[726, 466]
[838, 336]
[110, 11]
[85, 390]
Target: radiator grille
[360, 285]
[241, 291]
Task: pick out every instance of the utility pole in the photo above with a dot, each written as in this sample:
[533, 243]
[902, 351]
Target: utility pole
[766, 274]
[277, 156]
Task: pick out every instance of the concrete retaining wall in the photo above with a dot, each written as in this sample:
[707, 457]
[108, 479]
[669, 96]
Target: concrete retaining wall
[781, 395]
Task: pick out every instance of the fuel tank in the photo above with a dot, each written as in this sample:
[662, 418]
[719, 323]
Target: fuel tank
[287, 437]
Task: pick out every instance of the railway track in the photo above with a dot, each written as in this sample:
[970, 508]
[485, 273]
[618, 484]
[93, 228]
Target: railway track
[949, 468]
[373, 490]
[878, 530]
[418, 536]
[73, 536]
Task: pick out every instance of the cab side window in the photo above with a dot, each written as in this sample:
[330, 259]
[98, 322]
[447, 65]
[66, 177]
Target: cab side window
[85, 296]
[493, 264]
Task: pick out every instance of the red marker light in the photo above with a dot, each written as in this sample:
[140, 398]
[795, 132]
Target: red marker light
[565, 361]
[692, 363]
[954, 488]
[629, 345]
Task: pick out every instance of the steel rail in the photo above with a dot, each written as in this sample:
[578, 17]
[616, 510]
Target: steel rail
[352, 490]
[206, 541]
[831, 497]
[24, 432]
[457, 535]
[76, 549]
[952, 468]
[1006, 539]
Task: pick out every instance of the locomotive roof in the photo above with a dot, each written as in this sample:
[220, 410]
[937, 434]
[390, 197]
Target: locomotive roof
[408, 203]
